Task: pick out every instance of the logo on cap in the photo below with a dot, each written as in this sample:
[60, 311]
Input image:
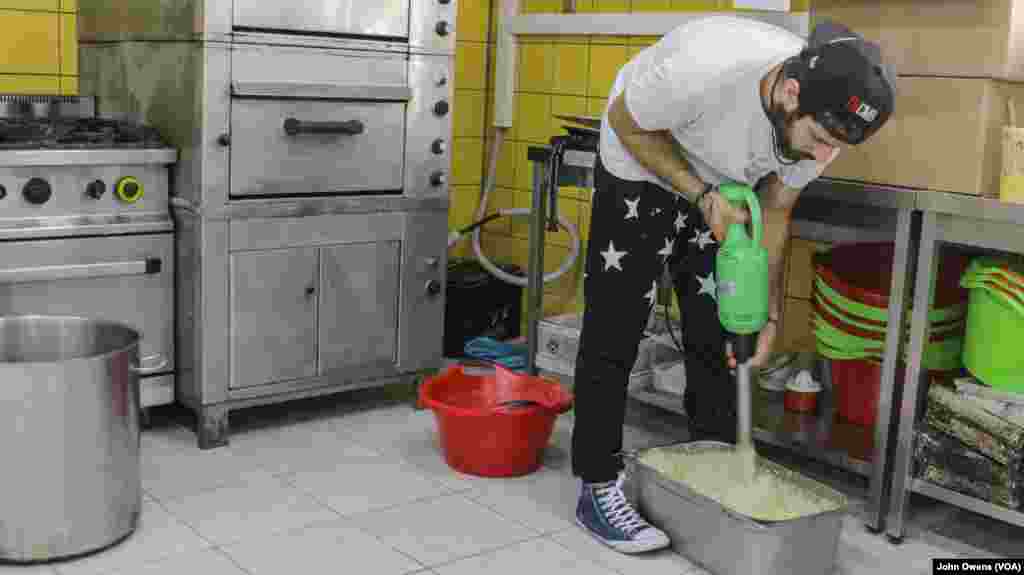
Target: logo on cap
[862, 109]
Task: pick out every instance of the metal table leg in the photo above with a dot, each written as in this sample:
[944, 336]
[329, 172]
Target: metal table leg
[924, 284]
[535, 267]
[902, 259]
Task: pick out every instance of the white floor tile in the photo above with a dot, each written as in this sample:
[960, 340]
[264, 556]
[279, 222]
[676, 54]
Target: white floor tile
[366, 484]
[544, 501]
[408, 434]
[444, 529]
[170, 474]
[663, 562]
[334, 547]
[296, 447]
[230, 514]
[206, 562]
[159, 535]
[534, 556]
[166, 438]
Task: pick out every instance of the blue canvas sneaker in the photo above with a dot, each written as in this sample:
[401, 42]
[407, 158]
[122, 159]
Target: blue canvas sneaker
[604, 512]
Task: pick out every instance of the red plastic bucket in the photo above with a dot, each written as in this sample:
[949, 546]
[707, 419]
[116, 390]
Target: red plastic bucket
[480, 438]
[856, 384]
[856, 387]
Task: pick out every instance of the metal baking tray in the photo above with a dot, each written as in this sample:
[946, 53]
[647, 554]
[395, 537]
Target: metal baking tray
[726, 542]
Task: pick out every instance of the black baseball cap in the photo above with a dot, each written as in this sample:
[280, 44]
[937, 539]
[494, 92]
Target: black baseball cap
[846, 86]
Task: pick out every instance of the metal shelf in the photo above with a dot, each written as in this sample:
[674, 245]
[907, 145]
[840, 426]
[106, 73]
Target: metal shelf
[819, 437]
[961, 220]
[822, 437]
[967, 502]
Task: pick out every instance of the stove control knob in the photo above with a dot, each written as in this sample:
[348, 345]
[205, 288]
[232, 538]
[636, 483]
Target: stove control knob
[442, 28]
[441, 108]
[441, 79]
[37, 191]
[96, 189]
[433, 288]
[3, 192]
[438, 179]
[129, 190]
[438, 147]
[444, 2]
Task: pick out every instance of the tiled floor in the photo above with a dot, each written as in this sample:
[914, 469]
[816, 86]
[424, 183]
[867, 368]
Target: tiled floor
[340, 485]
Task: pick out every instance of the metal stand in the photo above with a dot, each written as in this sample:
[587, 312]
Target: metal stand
[966, 221]
[828, 211]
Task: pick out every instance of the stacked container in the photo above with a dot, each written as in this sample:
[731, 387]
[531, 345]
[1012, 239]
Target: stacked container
[850, 299]
[995, 322]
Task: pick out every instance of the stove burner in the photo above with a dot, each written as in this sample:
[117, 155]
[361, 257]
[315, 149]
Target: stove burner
[76, 133]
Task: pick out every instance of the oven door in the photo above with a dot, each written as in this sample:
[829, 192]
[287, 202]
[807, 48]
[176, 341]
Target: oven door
[374, 18]
[313, 122]
[127, 279]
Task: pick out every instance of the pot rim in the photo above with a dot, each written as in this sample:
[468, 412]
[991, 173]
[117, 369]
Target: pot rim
[135, 334]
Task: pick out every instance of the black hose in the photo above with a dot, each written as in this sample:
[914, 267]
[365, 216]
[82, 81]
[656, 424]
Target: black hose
[476, 225]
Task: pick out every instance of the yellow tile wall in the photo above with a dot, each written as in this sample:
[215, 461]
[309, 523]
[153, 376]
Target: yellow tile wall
[474, 45]
[40, 48]
[557, 75]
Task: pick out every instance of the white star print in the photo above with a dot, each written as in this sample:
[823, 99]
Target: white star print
[612, 258]
[631, 206]
[667, 250]
[707, 286]
[653, 294]
[680, 221]
[702, 239]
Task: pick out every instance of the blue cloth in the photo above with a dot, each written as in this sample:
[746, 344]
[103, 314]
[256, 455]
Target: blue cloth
[508, 355]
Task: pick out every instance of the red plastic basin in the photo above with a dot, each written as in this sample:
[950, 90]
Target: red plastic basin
[480, 438]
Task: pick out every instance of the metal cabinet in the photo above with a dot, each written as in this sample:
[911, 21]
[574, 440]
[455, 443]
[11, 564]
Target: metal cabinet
[297, 313]
[358, 305]
[273, 316]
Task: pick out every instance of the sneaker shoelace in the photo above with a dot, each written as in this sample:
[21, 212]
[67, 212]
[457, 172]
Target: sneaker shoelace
[617, 509]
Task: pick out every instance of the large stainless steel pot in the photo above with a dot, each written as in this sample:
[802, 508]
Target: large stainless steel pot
[69, 435]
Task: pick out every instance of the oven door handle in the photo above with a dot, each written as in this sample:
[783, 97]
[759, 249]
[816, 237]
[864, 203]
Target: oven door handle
[80, 271]
[295, 127]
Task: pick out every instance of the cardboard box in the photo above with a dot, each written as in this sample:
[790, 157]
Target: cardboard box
[945, 134]
[797, 334]
[800, 278]
[966, 38]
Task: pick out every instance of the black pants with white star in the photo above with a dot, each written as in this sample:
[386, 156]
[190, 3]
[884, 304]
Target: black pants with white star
[636, 229]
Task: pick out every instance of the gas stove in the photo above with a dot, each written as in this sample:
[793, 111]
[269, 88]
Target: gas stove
[75, 134]
[81, 176]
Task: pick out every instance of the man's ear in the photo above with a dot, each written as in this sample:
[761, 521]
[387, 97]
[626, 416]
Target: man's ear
[790, 96]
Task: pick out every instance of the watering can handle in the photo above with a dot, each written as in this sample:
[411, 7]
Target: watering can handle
[742, 194]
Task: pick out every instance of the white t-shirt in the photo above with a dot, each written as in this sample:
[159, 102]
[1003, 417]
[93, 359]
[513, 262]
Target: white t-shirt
[702, 82]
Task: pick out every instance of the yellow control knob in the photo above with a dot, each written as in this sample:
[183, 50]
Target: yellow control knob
[129, 190]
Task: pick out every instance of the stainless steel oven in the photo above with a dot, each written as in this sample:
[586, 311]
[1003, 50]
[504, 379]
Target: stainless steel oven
[86, 231]
[312, 194]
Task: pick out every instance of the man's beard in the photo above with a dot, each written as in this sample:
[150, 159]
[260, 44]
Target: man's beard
[783, 121]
